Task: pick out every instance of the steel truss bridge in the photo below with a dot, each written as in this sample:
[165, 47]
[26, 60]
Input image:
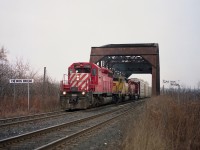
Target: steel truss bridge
[128, 59]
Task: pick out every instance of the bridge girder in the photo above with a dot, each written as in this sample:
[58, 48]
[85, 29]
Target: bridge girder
[130, 59]
[127, 64]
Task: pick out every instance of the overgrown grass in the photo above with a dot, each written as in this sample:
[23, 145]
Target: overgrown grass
[171, 121]
[37, 104]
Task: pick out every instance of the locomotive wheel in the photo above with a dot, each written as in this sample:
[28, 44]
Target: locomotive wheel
[101, 100]
[90, 97]
[131, 97]
[114, 99]
[122, 98]
[95, 102]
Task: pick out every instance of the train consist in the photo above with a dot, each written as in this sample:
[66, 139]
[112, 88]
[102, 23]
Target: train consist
[88, 85]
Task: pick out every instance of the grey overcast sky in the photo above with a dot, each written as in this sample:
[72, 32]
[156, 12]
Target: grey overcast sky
[56, 33]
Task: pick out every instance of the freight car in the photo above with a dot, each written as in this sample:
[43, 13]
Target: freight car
[88, 86]
[138, 88]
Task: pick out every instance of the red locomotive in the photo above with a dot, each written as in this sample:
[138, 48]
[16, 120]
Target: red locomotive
[87, 85]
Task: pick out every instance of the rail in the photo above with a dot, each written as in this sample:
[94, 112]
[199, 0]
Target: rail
[5, 143]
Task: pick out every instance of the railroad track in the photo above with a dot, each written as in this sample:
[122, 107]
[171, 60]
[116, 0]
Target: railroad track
[62, 143]
[54, 135]
[29, 118]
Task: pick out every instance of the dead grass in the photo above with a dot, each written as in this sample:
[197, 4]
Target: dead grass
[166, 123]
[19, 107]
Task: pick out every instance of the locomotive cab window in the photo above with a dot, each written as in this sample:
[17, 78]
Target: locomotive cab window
[94, 72]
[110, 74]
[82, 70]
[115, 79]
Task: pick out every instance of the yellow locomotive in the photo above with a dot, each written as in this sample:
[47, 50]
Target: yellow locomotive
[120, 88]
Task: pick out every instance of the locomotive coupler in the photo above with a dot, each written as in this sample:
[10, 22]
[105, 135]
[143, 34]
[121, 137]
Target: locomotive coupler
[74, 99]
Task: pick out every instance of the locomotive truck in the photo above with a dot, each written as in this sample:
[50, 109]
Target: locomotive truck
[88, 85]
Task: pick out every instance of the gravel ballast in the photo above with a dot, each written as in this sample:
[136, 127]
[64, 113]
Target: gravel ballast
[109, 137]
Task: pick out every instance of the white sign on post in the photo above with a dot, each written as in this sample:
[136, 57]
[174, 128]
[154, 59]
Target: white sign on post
[172, 83]
[22, 81]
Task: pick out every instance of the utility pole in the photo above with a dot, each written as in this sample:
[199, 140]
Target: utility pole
[44, 79]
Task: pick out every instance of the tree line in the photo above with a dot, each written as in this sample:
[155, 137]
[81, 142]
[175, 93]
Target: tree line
[42, 92]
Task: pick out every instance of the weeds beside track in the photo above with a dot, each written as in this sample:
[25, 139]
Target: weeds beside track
[169, 121]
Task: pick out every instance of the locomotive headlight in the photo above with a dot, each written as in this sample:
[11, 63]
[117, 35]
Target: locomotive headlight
[64, 92]
[83, 93]
[77, 78]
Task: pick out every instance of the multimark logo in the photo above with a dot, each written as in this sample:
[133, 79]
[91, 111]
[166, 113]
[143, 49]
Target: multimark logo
[21, 80]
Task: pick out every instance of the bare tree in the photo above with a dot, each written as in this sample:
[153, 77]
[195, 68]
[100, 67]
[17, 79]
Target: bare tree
[15, 95]
[198, 85]
[3, 54]
[5, 72]
[21, 68]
